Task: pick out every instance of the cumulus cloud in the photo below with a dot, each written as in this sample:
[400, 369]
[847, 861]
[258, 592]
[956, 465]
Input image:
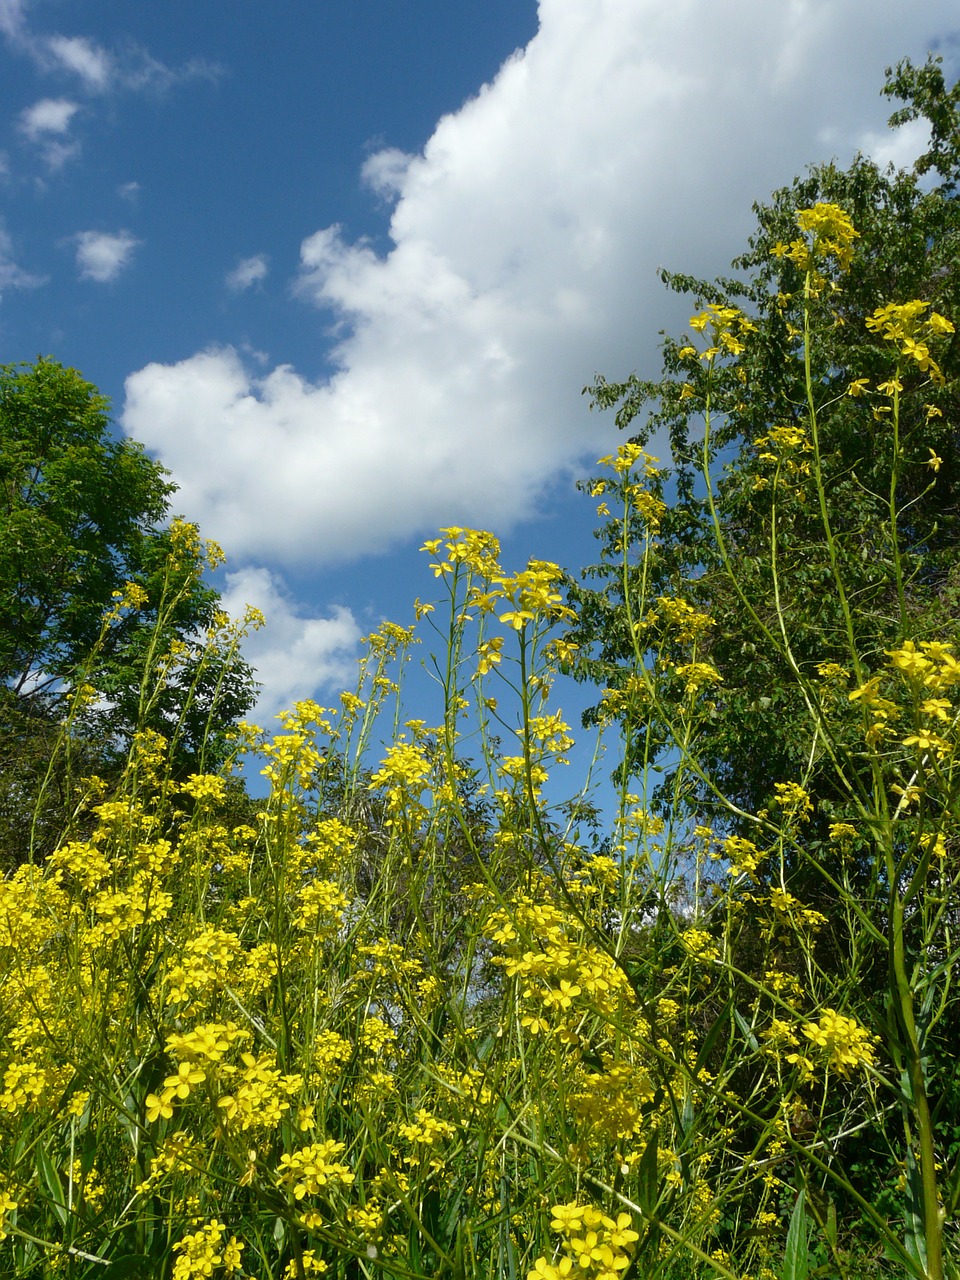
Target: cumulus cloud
[101, 256]
[49, 115]
[385, 170]
[525, 240]
[248, 272]
[295, 656]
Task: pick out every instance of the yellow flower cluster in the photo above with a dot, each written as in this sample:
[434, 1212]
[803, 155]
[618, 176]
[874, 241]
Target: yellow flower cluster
[425, 1130]
[8, 1207]
[698, 944]
[687, 623]
[404, 774]
[204, 1251]
[562, 976]
[612, 1103]
[204, 787]
[743, 855]
[320, 908]
[930, 668]
[478, 550]
[695, 675]
[831, 235]
[594, 1245]
[843, 1043]
[312, 1169]
[23, 1086]
[726, 327]
[911, 330]
[261, 1096]
[532, 593]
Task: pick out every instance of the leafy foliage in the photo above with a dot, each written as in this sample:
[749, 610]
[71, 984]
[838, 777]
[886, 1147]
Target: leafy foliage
[774, 553]
[82, 536]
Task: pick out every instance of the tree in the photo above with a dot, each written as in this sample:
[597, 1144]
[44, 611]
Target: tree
[903, 573]
[82, 516]
[761, 608]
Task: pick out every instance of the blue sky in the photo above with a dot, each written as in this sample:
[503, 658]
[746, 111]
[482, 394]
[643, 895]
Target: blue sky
[344, 266]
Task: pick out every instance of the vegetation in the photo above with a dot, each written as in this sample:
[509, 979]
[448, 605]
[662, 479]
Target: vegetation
[402, 1020]
[82, 519]
[756, 550]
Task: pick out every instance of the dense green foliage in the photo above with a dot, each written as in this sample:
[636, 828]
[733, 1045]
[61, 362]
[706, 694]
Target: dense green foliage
[908, 246]
[83, 520]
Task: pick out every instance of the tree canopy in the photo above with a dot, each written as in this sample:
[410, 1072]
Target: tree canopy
[893, 541]
[96, 586]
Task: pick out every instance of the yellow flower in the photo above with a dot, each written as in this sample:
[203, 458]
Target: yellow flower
[158, 1108]
[845, 1044]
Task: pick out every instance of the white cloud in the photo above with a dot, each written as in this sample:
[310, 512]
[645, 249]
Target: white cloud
[49, 115]
[89, 61]
[13, 276]
[247, 272]
[46, 124]
[129, 66]
[385, 171]
[101, 256]
[899, 147]
[129, 191]
[295, 656]
[628, 134]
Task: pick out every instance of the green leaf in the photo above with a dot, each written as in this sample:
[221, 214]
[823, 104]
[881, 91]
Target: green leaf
[648, 1182]
[51, 1178]
[711, 1037]
[796, 1254]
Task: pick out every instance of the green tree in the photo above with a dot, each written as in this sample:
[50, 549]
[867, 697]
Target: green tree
[754, 732]
[82, 514]
[805, 530]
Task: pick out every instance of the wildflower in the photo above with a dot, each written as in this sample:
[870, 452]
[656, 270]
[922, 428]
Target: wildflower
[489, 654]
[794, 800]
[934, 843]
[844, 1043]
[202, 1251]
[204, 787]
[158, 1108]
[699, 944]
[594, 1244]
[180, 1085]
[696, 674]
[926, 740]
[833, 234]
[311, 1264]
[832, 671]
[312, 1168]
[842, 831]
[8, 1206]
[743, 854]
